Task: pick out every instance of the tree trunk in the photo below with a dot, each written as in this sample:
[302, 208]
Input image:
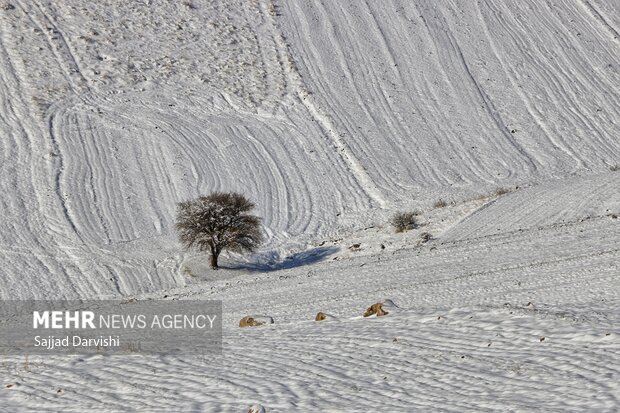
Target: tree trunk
[214, 261]
[214, 255]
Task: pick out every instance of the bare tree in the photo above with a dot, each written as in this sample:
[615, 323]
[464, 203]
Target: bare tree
[217, 222]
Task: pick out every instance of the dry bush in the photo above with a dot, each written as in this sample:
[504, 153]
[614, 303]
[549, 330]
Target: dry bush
[403, 221]
[501, 191]
[187, 271]
[440, 204]
[426, 236]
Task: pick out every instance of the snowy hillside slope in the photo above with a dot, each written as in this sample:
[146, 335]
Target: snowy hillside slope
[103, 148]
[519, 321]
[327, 115]
[556, 203]
[331, 116]
[432, 94]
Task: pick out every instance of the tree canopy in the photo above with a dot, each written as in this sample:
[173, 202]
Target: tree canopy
[219, 221]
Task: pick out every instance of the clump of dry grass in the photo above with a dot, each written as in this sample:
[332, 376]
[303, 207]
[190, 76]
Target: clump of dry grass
[403, 221]
[441, 203]
[426, 237]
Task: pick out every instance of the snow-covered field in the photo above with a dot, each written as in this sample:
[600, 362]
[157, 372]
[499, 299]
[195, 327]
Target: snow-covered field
[331, 116]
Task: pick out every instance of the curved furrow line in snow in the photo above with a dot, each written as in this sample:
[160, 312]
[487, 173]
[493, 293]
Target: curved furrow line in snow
[56, 43]
[192, 152]
[556, 203]
[365, 139]
[378, 82]
[87, 187]
[253, 160]
[287, 206]
[533, 112]
[220, 169]
[262, 174]
[32, 205]
[551, 82]
[326, 123]
[567, 71]
[355, 69]
[292, 142]
[513, 237]
[126, 165]
[278, 84]
[600, 100]
[63, 265]
[55, 122]
[600, 18]
[609, 10]
[440, 34]
[419, 161]
[64, 52]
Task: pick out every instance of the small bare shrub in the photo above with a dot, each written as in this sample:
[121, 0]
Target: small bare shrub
[614, 168]
[440, 204]
[501, 191]
[355, 247]
[272, 9]
[187, 271]
[426, 236]
[403, 221]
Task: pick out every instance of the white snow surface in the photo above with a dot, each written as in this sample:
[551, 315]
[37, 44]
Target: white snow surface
[331, 116]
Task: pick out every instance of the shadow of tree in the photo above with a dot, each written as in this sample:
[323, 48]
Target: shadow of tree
[272, 260]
